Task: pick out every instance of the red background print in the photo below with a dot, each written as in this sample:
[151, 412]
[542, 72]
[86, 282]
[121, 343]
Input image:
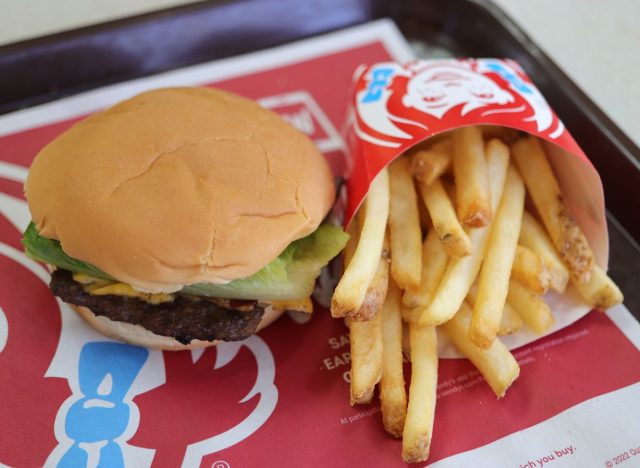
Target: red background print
[313, 423]
[28, 401]
[196, 402]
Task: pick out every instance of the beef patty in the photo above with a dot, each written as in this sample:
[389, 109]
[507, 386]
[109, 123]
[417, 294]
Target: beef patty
[185, 318]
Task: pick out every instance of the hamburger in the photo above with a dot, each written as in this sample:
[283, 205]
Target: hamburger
[181, 218]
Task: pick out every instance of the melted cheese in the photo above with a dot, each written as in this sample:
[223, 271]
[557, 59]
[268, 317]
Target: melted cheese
[101, 287]
[302, 305]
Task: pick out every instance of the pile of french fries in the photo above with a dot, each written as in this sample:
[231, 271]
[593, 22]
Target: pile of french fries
[447, 237]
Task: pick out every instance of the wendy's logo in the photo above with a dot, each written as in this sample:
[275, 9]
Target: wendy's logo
[133, 407]
[213, 400]
[438, 88]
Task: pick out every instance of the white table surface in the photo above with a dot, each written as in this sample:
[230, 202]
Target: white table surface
[596, 42]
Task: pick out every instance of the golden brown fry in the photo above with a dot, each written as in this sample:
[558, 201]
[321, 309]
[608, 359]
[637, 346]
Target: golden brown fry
[418, 428]
[304, 306]
[600, 292]
[506, 134]
[533, 236]
[393, 397]
[510, 322]
[410, 314]
[406, 348]
[428, 165]
[450, 190]
[443, 216]
[461, 272]
[442, 145]
[565, 233]
[530, 307]
[366, 358]
[473, 194]
[354, 235]
[376, 293]
[530, 270]
[434, 262]
[496, 268]
[405, 233]
[425, 220]
[496, 364]
[440, 142]
[377, 289]
[352, 288]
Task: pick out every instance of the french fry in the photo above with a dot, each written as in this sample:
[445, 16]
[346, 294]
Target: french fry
[377, 289]
[418, 427]
[406, 348]
[376, 293]
[443, 216]
[530, 307]
[534, 237]
[410, 314]
[510, 321]
[442, 145]
[405, 234]
[461, 272]
[354, 236]
[440, 142]
[530, 270]
[506, 134]
[434, 262]
[496, 268]
[428, 165]
[498, 366]
[600, 292]
[450, 189]
[473, 194]
[425, 219]
[366, 358]
[351, 291]
[545, 192]
[393, 397]
[365, 337]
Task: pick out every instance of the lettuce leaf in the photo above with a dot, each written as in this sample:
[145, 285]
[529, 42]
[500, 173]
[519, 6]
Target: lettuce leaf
[291, 275]
[49, 251]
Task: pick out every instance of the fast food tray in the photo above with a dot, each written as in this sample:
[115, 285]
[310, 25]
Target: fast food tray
[51, 67]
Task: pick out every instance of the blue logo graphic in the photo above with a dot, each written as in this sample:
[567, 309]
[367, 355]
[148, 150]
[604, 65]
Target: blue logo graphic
[510, 76]
[106, 372]
[380, 78]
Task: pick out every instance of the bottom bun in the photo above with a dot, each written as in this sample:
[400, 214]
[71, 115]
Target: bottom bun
[140, 336]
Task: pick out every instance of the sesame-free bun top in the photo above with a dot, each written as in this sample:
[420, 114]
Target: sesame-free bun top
[178, 186]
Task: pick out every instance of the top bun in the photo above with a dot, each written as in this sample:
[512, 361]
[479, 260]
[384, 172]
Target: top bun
[178, 186]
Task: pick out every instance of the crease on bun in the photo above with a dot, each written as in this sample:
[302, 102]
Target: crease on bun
[178, 186]
[140, 336]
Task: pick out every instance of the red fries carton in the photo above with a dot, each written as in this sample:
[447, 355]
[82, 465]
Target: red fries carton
[395, 106]
[72, 397]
